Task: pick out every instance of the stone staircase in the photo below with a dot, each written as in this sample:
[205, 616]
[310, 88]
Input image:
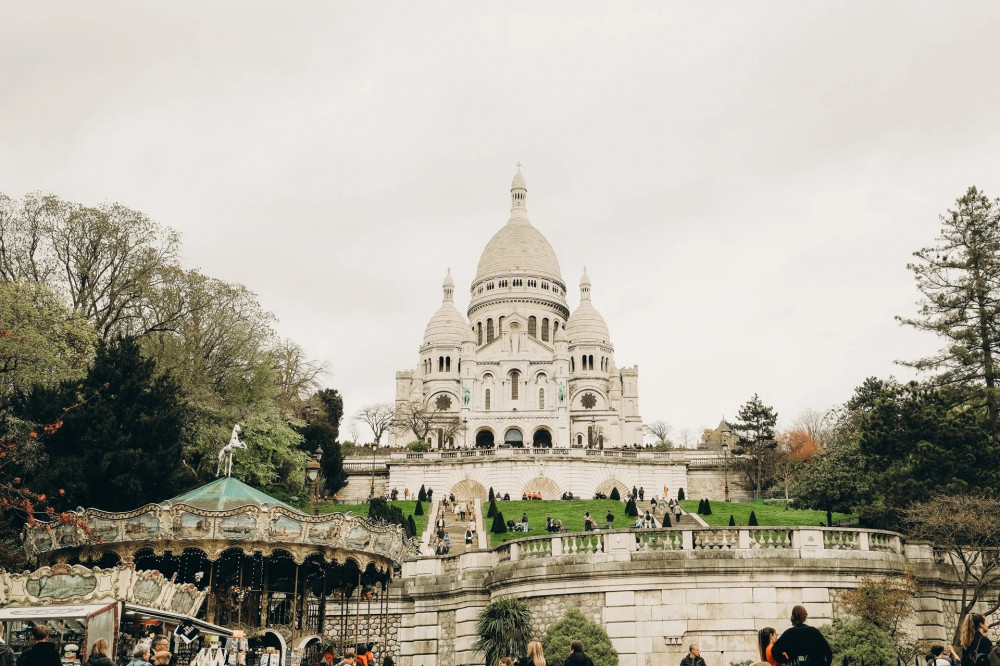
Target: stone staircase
[687, 521]
[454, 528]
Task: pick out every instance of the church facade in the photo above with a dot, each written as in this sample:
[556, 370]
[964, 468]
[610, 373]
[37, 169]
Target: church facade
[518, 368]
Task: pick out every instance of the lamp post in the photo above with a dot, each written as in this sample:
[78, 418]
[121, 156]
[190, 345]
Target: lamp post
[312, 474]
[371, 493]
[725, 457]
[465, 433]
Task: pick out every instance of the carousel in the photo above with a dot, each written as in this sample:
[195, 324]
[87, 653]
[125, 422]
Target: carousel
[287, 583]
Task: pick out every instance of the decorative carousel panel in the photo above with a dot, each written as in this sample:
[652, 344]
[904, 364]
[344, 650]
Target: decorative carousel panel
[240, 526]
[187, 525]
[142, 527]
[327, 532]
[105, 529]
[285, 528]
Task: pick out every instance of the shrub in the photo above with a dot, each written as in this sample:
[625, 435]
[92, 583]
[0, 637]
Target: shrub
[492, 510]
[680, 494]
[499, 524]
[732, 521]
[701, 507]
[615, 495]
[504, 628]
[753, 519]
[419, 446]
[858, 640]
[708, 507]
[379, 509]
[422, 495]
[419, 510]
[666, 519]
[631, 509]
[411, 526]
[574, 626]
[492, 497]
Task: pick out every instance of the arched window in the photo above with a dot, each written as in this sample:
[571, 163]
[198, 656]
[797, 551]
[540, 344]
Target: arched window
[489, 330]
[532, 326]
[590, 435]
[500, 326]
[541, 398]
[572, 364]
[583, 362]
[440, 363]
[579, 440]
[591, 361]
[479, 333]
[486, 404]
[459, 366]
[447, 363]
[545, 329]
[515, 380]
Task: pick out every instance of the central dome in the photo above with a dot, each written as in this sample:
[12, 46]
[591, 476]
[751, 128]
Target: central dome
[518, 247]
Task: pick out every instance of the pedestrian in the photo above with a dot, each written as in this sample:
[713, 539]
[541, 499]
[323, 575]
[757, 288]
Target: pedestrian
[577, 657]
[642, 493]
[43, 652]
[406, 494]
[140, 655]
[534, 656]
[635, 493]
[462, 510]
[677, 511]
[975, 645]
[468, 539]
[652, 503]
[388, 661]
[939, 658]
[7, 657]
[588, 522]
[348, 659]
[765, 639]
[610, 518]
[801, 640]
[694, 657]
[162, 658]
[99, 654]
[440, 527]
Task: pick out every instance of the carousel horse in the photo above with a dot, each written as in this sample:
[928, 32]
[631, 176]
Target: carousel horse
[227, 452]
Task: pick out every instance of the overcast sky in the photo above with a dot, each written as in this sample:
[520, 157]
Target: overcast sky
[745, 182]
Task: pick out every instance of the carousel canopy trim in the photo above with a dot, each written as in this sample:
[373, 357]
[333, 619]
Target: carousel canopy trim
[226, 494]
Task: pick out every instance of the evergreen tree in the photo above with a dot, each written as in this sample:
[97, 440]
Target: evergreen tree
[631, 509]
[118, 449]
[615, 495]
[753, 519]
[756, 441]
[666, 519]
[422, 495]
[411, 526]
[499, 525]
[379, 509]
[574, 626]
[708, 507]
[419, 510]
[492, 497]
[680, 494]
[701, 507]
[492, 510]
[732, 521]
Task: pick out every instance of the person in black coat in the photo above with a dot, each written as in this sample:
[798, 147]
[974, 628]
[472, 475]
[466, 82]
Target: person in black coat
[694, 657]
[43, 652]
[576, 656]
[801, 640]
[6, 654]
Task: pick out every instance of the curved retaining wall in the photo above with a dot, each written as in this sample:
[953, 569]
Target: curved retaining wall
[656, 591]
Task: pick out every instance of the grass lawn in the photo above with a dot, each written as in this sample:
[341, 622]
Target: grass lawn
[767, 514]
[362, 510]
[569, 511]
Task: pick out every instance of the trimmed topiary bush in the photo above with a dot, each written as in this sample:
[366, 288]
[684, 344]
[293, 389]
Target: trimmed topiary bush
[708, 507]
[752, 521]
[615, 495]
[492, 497]
[701, 507]
[732, 521]
[499, 524]
[680, 494]
[422, 495]
[666, 519]
[419, 510]
[631, 509]
[574, 626]
[492, 509]
[411, 526]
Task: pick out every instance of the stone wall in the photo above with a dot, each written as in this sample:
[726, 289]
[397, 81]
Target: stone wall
[716, 587]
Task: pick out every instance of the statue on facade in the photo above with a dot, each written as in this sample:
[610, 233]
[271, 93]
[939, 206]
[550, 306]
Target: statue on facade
[465, 394]
[562, 392]
[227, 452]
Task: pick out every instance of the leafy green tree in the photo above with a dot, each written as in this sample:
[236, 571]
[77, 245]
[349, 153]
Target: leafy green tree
[959, 279]
[503, 629]
[887, 603]
[42, 341]
[575, 626]
[756, 439]
[121, 447]
[858, 641]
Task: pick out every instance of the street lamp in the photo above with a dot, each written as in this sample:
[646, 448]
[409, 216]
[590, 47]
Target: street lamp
[465, 433]
[312, 473]
[318, 453]
[371, 493]
[725, 457]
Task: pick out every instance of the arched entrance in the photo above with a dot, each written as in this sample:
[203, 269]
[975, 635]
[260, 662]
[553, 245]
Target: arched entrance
[513, 437]
[484, 438]
[542, 437]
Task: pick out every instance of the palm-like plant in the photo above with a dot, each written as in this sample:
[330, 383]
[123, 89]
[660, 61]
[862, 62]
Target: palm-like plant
[504, 629]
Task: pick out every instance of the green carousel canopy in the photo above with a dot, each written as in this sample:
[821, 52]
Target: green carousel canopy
[214, 518]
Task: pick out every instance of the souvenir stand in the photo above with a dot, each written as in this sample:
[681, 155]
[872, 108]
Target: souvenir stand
[282, 577]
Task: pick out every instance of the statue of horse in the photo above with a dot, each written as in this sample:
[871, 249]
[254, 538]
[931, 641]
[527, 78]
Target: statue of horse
[227, 452]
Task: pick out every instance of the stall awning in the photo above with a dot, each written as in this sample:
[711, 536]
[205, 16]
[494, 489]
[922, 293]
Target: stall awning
[67, 611]
[133, 610]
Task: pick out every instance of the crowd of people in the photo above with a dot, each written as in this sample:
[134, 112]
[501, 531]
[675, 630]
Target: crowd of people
[464, 513]
[535, 656]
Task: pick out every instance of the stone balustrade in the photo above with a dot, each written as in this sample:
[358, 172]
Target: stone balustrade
[685, 456]
[801, 542]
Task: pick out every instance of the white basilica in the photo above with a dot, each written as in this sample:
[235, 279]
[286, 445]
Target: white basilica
[520, 370]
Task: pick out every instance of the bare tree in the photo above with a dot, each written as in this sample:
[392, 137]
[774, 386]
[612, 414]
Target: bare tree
[687, 438]
[812, 421]
[660, 430]
[966, 530]
[295, 376]
[421, 419]
[378, 416]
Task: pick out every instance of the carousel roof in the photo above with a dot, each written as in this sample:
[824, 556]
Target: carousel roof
[226, 494]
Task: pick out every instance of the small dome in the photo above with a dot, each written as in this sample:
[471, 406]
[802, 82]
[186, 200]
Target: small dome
[446, 327]
[518, 182]
[586, 324]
